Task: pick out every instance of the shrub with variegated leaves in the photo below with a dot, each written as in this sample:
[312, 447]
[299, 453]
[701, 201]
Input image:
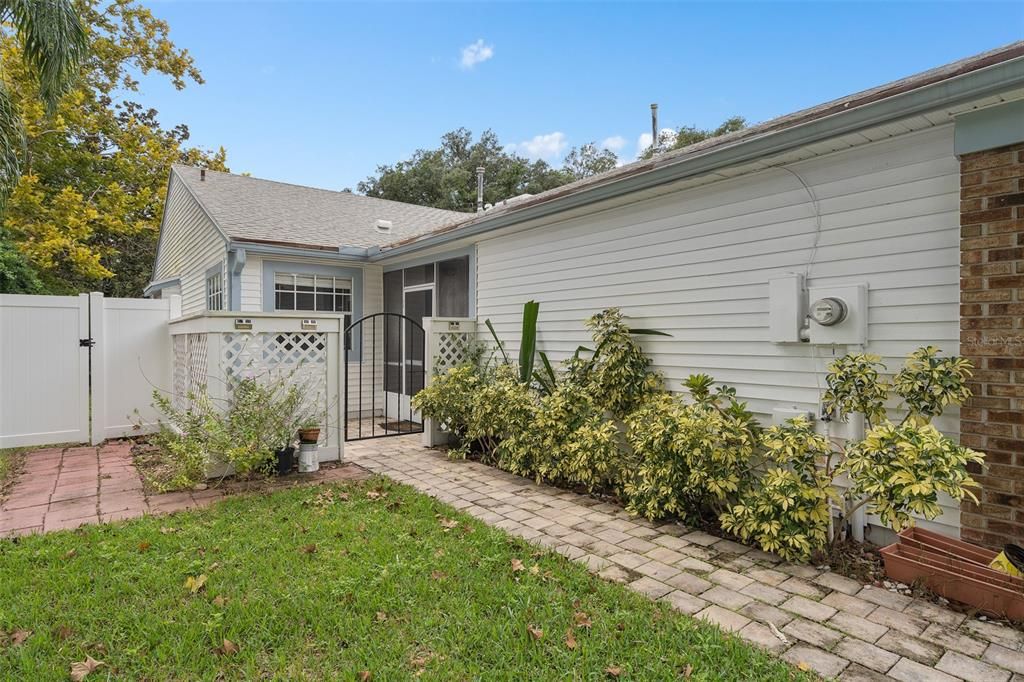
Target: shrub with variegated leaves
[787, 510]
[900, 469]
[689, 459]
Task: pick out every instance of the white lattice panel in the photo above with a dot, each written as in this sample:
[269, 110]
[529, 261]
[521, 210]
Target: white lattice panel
[452, 349]
[299, 357]
[190, 368]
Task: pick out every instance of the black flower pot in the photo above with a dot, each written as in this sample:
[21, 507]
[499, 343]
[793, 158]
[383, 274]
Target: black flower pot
[285, 460]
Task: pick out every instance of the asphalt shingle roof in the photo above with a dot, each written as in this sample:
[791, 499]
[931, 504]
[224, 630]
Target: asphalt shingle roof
[248, 208]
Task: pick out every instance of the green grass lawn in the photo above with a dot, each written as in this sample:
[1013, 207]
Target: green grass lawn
[325, 583]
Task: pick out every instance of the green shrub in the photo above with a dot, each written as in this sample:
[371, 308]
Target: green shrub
[896, 470]
[567, 440]
[689, 459]
[449, 399]
[261, 415]
[478, 407]
[787, 510]
[928, 383]
[899, 469]
[618, 374]
[856, 386]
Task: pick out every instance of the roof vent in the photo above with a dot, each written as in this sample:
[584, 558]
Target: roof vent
[383, 226]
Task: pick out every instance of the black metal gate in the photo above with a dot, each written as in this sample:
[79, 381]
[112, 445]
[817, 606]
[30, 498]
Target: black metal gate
[390, 350]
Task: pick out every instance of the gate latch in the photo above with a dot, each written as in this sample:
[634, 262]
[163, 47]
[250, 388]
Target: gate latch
[87, 343]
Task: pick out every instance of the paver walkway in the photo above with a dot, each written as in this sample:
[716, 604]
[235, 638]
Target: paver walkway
[837, 626]
[68, 487]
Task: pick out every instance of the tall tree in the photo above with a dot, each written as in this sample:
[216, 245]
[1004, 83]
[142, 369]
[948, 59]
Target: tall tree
[87, 209]
[589, 159]
[446, 177]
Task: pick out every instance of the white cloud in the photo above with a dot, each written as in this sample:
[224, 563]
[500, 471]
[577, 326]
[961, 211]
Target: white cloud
[614, 143]
[667, 136]
[548, 146]
[475, 53]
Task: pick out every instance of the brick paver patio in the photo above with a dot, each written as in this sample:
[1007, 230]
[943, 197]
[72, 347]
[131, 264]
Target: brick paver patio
[837, 626]
[67, 487]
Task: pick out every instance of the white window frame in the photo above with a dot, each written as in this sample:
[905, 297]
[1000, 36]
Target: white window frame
[337, 284]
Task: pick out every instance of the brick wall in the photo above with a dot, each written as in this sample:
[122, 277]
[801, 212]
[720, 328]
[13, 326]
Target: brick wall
[992, 336]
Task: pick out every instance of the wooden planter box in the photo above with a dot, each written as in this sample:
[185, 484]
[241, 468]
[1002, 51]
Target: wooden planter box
[956, 571]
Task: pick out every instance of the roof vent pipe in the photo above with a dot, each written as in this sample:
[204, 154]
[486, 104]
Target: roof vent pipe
[479, 189]
[654, 125]
[202, 175]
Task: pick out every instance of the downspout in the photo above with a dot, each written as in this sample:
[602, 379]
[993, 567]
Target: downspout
[236, 263]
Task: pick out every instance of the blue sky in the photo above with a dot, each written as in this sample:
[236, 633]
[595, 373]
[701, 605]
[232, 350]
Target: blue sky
[320, 93]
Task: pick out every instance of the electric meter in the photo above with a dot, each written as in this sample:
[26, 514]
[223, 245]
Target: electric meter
[828, 311]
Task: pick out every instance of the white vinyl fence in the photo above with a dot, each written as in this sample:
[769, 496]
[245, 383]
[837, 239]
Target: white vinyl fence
[80, 368]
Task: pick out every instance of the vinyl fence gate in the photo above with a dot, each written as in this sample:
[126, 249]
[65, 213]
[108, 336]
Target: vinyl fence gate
[77, 369]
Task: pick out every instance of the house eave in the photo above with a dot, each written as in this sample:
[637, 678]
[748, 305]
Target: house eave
[154, 287]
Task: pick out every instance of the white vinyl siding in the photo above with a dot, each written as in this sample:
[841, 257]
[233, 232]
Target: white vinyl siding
[190, 245]
[696, 264]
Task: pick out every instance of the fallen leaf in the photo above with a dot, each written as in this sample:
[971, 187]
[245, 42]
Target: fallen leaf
[687, 671]
[535, 569]
[344, 496]
[448, 524]
[381, 616]
[535, 631]
[582, 620]
[517, 566]
[365, 676]
[613, 670]
[143, 546]
[804, 666]
[64, 632]
[196, 583]
[19, 637]
[70, 553]
[375, 495]
[775, 631]
[220, 601]
[80, 669]
[167, 531]
[570, 639]
[439, 552]
[227, 648]
[438, 575]
[309, 549]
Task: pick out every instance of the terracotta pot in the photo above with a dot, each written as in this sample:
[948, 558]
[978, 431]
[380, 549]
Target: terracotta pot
[986, 589]
[309, 435]
[920, 538]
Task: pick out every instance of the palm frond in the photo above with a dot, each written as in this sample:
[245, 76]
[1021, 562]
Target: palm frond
[54, 43]
[12, 142]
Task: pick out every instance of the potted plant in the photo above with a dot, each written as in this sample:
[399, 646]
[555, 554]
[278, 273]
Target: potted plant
[284, 437]
[309, 431]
